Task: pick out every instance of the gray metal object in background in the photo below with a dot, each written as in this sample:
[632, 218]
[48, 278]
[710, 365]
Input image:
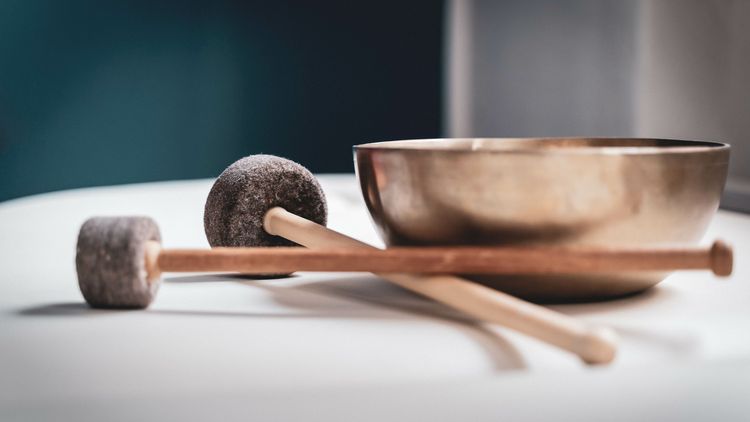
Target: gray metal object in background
[541, 68]
[667, 69]
[694, 79]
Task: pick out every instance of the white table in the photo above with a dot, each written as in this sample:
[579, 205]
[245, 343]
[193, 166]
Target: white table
[323, 346]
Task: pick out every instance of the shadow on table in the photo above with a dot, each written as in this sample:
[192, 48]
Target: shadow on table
[366, 296]
[676, 343]
[329, 299]
[333, 297]
[63, 309]
[656, 295]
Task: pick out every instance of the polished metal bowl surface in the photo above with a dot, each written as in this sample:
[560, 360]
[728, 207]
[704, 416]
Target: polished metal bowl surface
[552, 191]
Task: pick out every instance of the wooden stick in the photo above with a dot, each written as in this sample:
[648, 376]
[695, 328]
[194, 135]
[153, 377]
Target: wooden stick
[593, 345]
[449, 260]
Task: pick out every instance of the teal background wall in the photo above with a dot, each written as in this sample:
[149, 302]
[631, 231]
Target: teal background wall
[97, 93]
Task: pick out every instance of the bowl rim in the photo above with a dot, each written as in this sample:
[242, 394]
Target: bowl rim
[670, 146]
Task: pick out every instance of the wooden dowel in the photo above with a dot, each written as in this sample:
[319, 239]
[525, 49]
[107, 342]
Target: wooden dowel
[449, 260]
[593, 345]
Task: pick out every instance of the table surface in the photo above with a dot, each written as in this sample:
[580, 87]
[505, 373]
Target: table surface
[337, 346]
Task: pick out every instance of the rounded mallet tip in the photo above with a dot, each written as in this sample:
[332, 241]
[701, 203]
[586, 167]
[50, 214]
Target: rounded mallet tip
[722, 259]
[247, 189]
[599, 346]
[111, 262]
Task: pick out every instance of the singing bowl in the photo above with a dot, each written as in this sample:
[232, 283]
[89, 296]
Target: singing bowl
[545, 191]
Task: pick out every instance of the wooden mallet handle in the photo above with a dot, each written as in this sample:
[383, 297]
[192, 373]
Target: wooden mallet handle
[593, 345]
[448, 260]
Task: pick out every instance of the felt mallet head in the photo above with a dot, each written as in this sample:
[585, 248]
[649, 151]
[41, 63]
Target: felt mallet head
[247, 189]
[111, 263]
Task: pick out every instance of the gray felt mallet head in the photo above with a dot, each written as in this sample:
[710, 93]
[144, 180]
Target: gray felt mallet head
[111, 264]
[247, 189]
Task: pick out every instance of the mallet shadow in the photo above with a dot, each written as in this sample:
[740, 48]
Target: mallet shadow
[654, 296]
[79, 309]
[382, 301]
[385, 295]
[675, 343]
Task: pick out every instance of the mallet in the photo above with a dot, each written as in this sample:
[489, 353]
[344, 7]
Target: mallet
[263, 200]
[121, 256]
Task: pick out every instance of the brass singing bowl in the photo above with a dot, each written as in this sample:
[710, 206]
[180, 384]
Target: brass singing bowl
[553, 191]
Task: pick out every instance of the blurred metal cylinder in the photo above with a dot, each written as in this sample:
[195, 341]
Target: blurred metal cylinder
[666, 69]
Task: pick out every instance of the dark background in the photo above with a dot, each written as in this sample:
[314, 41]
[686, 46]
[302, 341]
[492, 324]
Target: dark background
[98, 93]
